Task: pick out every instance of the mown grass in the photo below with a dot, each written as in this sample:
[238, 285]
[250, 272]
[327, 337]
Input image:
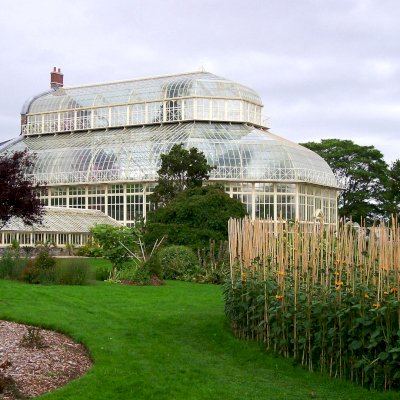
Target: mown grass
[168, 342]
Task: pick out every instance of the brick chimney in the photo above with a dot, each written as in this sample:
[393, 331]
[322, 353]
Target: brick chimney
[56, 78]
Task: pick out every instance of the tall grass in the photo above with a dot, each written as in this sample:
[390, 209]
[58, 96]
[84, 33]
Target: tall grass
[326, 296]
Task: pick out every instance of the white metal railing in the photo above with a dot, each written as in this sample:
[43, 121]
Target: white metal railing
[171, 110]
[225, 173]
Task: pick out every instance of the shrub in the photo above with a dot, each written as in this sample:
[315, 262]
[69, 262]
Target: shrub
[41, 269]
[31, 273]
[194, 217]
[46, 264]
[102, 273]
[8, 386]
[178, 262]
[134, 273]
[11, 264]
[33, 339]
[153, 266]
[214, 263]
[74, 271]
[91, 249]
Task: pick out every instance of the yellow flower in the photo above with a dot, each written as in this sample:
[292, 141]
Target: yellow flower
[385, 292]
[338, 283]
[366, 296]
[376, 305]
[278, 297]
[336, 273]
[281, 273]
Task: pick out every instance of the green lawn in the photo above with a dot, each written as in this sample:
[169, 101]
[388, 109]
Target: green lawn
[169, 342]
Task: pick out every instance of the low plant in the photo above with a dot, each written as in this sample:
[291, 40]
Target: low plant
[33, 339]
[214, 263]
[178, 262]
[102, 273]
[90, 249]
[41, 269]
[11, 264]
[31, 272]
[74, 271]
[134, 273]
[9, 389]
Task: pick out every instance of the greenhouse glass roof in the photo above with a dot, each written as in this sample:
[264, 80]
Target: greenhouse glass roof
[62, 220]
[239, 152]
[197, 84]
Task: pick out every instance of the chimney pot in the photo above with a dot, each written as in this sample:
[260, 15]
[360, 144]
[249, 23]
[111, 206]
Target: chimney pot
[56, 78]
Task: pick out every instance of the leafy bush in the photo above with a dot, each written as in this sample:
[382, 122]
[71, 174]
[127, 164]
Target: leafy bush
[31, 273]
[90, 249]
[134, 273]
[178, 262]
[41, 269]
[11, 264]
[33, 339]
[153, 266]
[74, 271]
[102, 273]
[46, 265]
[194, 217]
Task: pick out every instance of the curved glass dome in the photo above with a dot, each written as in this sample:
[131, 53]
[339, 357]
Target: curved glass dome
[239, 153]
[198, 84]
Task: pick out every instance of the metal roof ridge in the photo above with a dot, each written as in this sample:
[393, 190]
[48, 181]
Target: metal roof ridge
[139, 79]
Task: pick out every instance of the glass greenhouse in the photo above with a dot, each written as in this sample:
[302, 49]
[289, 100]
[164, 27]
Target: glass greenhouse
[98, 146]
[60, 227]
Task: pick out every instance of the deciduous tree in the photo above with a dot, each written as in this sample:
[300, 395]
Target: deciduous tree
[180, 169]
[18, 193]
[363, 173]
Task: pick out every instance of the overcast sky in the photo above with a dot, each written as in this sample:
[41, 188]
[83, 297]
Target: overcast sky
[323, 68]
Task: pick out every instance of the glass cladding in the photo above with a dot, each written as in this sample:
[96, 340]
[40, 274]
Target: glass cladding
[200, 95]
[128, 202]
[237, 151]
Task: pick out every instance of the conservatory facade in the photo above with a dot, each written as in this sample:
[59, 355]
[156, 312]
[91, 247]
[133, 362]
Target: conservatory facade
[98, 147]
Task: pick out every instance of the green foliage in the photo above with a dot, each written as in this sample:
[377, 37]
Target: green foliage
[90, 249]
[393, 192]
[45, 269]
[31, 272]
[363, 172]
[134, 273]
[354, 337]
[194, 217]
[73, 271]
[41, 269]
[102, 273]
[117, 243]
[11, 264]
[214, 263]
[180, 169]
[46, 265]
[178, 262]
[153, 266]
